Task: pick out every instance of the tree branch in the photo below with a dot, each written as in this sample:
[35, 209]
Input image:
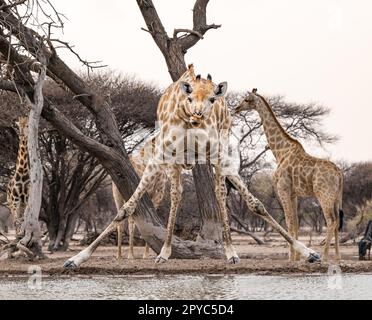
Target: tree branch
[196, 33]
[14, 4]
[7, 86]
[200, 26]
[153, 22]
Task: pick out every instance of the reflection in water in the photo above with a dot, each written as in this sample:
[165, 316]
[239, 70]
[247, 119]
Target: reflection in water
[189, 287]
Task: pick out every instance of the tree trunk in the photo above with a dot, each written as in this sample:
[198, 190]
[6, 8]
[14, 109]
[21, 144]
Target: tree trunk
[31, 227]
[247, 232]
[204, 185]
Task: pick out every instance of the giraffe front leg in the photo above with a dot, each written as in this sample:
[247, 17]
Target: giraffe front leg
[126, 210]
[221, 194]
[258, 208]
[176, 193]
[85, 254]
[287, 203]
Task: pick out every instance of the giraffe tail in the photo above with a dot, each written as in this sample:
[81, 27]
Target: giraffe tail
[341, 219]
[338, 207]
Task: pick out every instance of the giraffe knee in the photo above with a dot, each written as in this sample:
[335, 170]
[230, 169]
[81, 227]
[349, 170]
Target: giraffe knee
[259, 208]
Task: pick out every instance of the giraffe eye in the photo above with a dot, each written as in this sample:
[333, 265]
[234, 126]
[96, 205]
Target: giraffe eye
[190, 99]
[212, 100]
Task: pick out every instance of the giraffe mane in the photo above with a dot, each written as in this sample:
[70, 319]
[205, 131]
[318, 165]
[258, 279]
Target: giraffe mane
[277, 121]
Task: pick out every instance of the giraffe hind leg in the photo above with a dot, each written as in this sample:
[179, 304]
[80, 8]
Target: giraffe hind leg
[131, 227]
[296, 225]
[119, 241]
[331, 228]
[146, 251]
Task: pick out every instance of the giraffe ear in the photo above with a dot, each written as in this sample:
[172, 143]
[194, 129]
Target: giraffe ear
[221, 89]
[186, 88]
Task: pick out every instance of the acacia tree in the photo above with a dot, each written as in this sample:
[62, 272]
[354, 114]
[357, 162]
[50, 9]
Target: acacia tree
[71, 176]
[8, 143]
[19, 45]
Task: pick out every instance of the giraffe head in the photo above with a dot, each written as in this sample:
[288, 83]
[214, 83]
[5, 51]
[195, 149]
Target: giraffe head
[250, 102]
[199, 97]
[22, 124]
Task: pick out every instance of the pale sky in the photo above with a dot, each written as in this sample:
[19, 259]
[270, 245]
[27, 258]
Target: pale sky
[309, 51]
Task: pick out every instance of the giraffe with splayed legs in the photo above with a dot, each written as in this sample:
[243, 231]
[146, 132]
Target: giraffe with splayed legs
[156, 193]
[299, 175]
[194, 128]
[18, 186]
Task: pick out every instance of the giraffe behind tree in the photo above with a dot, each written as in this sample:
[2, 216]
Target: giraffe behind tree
[18, 187]
[299, 175]
[156, 192]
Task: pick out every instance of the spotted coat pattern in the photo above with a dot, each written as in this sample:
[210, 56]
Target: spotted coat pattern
[299, 174]
[18, 186]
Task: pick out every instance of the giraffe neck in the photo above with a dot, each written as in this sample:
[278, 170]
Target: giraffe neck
[280, 142]
[22, 165]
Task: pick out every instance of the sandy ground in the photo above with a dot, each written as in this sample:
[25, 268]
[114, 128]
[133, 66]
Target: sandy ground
[270, 258]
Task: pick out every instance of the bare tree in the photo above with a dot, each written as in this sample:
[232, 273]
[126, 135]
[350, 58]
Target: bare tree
[174, 49]
[20, 44]
[31, 227]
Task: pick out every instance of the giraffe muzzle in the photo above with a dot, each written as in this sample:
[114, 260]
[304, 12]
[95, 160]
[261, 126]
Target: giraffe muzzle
[196, 119]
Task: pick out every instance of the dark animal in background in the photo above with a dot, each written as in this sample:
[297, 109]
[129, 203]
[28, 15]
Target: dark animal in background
[365, 243]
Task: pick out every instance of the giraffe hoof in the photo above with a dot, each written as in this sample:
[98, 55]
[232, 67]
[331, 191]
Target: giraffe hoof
[313, 257]
[160, 260]
[234, 260]
[70, 265]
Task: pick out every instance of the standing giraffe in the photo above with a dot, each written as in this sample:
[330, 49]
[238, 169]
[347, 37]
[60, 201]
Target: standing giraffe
[194, 128]
[300, 174]
[156, 192]
[18, 186]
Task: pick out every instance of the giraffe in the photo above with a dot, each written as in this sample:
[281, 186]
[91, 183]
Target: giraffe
[299, 174]
[156, 193]
[18, 186]
[192, 110]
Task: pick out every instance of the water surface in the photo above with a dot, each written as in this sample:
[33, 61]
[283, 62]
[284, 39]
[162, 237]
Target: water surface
[190, 287]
